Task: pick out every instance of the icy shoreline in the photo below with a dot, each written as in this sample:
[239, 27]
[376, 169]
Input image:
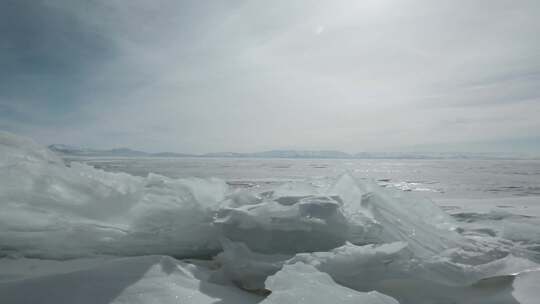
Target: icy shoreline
[79, 234]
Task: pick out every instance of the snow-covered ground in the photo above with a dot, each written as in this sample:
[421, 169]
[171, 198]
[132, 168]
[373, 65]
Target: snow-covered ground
[76, 234]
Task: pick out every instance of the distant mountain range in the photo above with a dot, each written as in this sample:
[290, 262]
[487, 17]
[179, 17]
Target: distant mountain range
[119, 152]
[126, 152]
[70, 151]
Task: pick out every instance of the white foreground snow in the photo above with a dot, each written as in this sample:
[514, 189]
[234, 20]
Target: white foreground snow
[75, 234]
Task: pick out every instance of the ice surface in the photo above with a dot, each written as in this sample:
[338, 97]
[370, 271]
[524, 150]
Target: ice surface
[301, 283]
[326, 240]
[133, 280]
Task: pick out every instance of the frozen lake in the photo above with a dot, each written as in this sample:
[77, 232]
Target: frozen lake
[266, 230]
[434, 178]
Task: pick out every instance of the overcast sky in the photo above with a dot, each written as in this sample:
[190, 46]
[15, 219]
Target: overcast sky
[207, 76]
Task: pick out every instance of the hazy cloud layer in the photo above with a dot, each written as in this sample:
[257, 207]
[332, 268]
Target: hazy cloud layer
[203, 76]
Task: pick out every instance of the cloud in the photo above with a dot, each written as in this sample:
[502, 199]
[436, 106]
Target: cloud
[47, 55]
[201, 76]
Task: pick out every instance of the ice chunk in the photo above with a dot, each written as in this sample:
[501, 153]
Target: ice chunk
[526, 230]
[296, 189]
[525, 287]
[301, 283]
[50, 210]
[248, 269]
[386, 215]
[241, 197]
[392, 270]
[312, 223]
[360, 267]
[16, 149]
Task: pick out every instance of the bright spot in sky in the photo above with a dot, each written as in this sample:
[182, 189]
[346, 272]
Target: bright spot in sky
[319, 30]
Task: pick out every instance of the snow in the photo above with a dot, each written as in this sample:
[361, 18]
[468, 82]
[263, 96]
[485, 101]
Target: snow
[73, 233]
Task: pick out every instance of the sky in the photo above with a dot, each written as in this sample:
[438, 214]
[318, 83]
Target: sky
[249, 75]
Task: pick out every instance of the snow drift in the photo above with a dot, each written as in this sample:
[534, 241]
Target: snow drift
[347, 240]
